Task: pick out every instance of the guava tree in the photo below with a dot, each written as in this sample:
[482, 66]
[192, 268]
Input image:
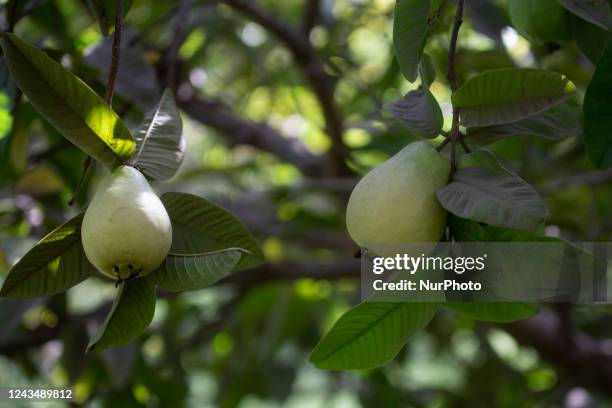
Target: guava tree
[323, 126]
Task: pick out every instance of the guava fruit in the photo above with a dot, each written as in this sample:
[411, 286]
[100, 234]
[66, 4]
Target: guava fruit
[126, 231]
[396, 203]
[540, 21]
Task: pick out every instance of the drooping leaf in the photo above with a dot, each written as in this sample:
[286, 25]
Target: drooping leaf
[136, 77]
[105, 12]
[556, 123]
[593, 11]
[160, 145]
[427, 71]
[597, 107]
[501, 312]
[503, 200]
[410, 29]
[487, 18]
[56, 263]
[130, 315]
[371, 334]
[483, 159]
[200, 226]
[419, 112]
[71, 106]
[180, 273]
[507, 95]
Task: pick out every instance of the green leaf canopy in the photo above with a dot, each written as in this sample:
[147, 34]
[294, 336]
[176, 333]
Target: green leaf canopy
[56, 263]
[510, 94]
[71, 106]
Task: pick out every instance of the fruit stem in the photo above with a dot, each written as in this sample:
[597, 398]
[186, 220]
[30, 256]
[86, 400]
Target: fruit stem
[110, 85]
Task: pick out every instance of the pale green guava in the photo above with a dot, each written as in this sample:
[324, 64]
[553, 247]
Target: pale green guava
[540, 21]
[126, 230]
[396, 202]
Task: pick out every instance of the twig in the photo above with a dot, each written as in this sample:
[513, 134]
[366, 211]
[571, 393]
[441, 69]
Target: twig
[110, 85]
[313, 69]
[238, 130]
[455, 135]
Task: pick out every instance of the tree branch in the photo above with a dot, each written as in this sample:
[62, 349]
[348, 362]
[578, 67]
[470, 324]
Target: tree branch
[310, 14]
[455, 134]
[243, 131]
[585, 360]
[307, 58]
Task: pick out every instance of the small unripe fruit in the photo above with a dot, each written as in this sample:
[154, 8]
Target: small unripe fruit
[126, 230]
[396, 202]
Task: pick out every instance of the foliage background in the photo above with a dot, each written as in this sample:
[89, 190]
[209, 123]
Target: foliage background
[281, 103]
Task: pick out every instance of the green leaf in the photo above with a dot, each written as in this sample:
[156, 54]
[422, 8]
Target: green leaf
[131, 314]
[510, 94]
[419, 112]
[56, 263]
[160, 145]
[590, 39]
[593, 11]
[597, 107]
[410, 27]
[71, 106]
[556, 123]
[200, 226]
[501, 312]
[193, 272]
[371, 334]
[105, 11]
[484, 159]
[427, 71]
[503, 200]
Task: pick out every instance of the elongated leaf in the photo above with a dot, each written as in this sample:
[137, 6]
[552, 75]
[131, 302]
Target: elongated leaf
[180, 273]
[160, 145]
[427, 71]
[409, 33]
[199, 226]
[507, 95]
[71, 106]
[419, 112]
[371, 334]
[55, 264]
[556, 123]
[130, 315]
[498, 199]
[590, 39]
[493, 311]
[597, 107]
[593, 11]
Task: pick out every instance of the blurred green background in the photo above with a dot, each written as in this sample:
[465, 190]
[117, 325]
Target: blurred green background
[282, 107]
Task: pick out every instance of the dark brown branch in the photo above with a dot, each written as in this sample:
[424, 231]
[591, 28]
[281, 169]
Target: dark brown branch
[309, 15]
[181, 31]
[583, 359]
[452, 49]
[313, 68]
[455, 135]
[243, 131]
[114, 67]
